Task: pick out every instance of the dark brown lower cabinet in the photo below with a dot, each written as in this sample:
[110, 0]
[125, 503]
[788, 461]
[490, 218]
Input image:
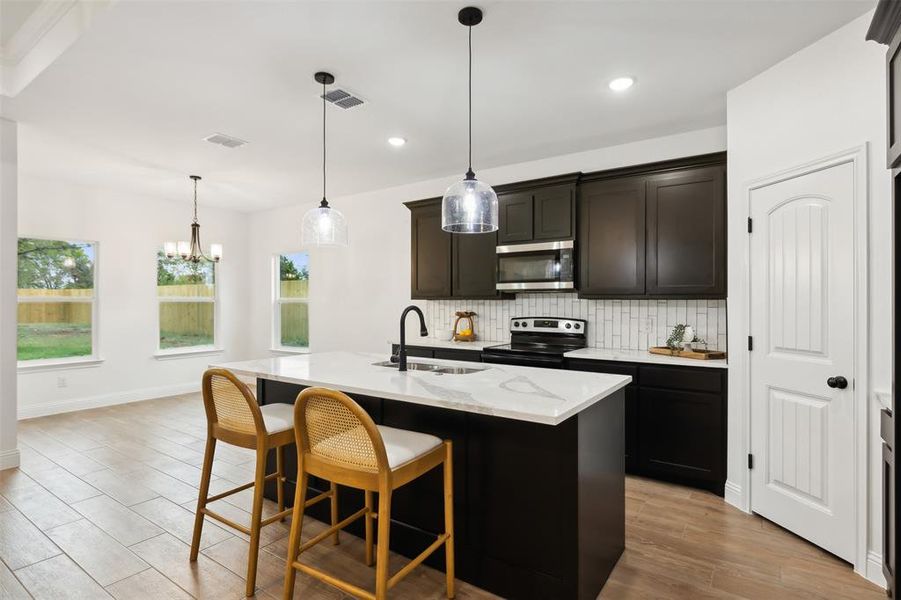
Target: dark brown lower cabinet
[675, 421]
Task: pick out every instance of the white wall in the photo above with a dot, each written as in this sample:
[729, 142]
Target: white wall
[357, 294]
[9, 454]
[129, 229]
[827, 98]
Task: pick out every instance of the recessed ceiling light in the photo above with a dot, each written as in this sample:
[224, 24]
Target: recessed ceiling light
[621, 84]
[397, 141]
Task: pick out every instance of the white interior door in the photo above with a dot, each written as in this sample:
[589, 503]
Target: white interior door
[802, 324]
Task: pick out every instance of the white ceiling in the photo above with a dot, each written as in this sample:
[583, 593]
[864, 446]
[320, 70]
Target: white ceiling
[129, 103]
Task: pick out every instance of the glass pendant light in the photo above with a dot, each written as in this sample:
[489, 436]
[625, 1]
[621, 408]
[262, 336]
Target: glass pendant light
[469, 206]
[323, 225]
[192, 251]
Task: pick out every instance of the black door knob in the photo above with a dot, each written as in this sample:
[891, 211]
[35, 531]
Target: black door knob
[837, 382]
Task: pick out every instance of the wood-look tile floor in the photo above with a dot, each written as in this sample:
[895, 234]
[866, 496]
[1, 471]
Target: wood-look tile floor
[102, 507]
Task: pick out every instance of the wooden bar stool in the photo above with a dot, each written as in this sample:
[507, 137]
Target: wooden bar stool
[234, 417]
[338, 441]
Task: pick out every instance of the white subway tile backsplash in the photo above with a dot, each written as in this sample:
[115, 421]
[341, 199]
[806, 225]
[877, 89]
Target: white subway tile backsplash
[615, 324]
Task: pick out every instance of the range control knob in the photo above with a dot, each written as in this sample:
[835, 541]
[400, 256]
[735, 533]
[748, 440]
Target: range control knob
[568, 326]
[578, 326]
[516, 323]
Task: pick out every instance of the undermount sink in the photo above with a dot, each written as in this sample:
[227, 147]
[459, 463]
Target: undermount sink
[430, 367]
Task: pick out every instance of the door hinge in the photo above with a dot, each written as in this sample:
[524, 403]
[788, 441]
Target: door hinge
[750, 461]
[750, 343]
[750, 224]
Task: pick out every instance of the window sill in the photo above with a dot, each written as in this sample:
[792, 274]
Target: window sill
[58, 365]
[290, 350]
[186, 352]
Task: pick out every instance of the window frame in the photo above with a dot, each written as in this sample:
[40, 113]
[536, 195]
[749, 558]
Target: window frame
[187, 351]
[277, 301]
[92, 359]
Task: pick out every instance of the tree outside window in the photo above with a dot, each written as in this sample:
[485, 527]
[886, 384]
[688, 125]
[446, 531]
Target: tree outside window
[187, 303]
[56, 313]
[292, 313]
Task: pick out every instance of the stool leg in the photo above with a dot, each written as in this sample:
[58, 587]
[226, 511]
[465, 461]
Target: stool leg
[280, 478]
[300, 497]
[381, 560]
[202, 495]
[370, 505]
[449, 517]
[255, 517]
[334, 506]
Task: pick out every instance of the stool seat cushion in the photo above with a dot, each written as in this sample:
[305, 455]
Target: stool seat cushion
[278, 417]
[402, 446]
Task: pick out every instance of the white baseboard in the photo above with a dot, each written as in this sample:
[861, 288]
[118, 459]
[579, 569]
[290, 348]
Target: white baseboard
[9, 459]
[73, 404]
[734, 496]
[874, 569]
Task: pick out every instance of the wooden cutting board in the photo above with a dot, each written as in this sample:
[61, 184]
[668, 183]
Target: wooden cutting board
[696, 354]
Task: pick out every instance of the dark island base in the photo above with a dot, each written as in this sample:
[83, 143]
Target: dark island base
[539, 510]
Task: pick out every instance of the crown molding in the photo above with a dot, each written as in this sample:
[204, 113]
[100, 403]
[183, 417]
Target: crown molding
[46, 34]
[38, 24]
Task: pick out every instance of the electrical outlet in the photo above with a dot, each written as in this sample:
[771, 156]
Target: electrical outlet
[61, 382]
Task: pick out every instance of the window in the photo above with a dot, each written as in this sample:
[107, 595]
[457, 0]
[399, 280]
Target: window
[187, 299]
[57, 307]
[292, 312]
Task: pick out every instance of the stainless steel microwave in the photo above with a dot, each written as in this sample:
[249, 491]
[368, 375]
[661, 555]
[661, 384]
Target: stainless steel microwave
[543, 266]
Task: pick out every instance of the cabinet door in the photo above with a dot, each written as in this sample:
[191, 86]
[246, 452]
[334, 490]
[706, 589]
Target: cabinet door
[554, 213]
[686, 233]
[431, 253]
[612, 238]
[474, 265]
[681, 434]
[514, 218]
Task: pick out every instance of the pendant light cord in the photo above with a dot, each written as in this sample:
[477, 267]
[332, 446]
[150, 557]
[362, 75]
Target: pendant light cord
[323, 142]
[470, 103]
[195, 200]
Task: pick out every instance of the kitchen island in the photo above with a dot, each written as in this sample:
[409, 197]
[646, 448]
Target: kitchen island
[538, 464]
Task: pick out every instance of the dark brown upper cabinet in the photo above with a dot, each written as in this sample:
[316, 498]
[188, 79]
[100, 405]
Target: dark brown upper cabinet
[686, 233]
[431, 252]
[655, 230]
[515, 216]
[893, 87]
[537, 210]
[474, 265]
[445, 265]
[612, 237]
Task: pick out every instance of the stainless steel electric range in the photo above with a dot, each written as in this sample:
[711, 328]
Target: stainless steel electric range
[538, 342]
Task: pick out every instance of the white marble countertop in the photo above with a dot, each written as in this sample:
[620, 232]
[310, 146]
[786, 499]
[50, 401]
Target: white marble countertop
[533, 394]
[430, 342]
[636, 356]
[643, 356]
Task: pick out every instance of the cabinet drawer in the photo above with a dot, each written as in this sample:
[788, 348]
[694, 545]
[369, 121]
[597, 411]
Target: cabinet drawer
[454, 354]
[698, 379]
[420, 351]
[887, 427]
[601, 366]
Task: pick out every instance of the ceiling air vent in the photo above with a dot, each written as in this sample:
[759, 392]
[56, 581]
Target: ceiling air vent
[224, 140]
[342, 98]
